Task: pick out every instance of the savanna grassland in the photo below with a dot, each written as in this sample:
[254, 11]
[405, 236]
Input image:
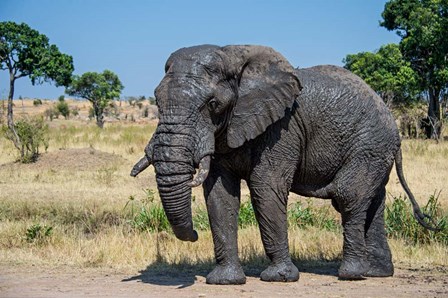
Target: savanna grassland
[77, 207]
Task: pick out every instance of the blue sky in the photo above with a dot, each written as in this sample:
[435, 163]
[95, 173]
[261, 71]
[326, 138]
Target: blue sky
[133, 38]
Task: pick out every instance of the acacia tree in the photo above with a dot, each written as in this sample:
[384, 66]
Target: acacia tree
[386, 72]
[98, 88]
[24, 52]
[423, 28]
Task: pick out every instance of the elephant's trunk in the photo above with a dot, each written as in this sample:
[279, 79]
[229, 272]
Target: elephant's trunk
[177, 148]
[174, 176]
[175, 192]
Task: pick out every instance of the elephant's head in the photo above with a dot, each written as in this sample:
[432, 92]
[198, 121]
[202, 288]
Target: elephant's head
[233, 93]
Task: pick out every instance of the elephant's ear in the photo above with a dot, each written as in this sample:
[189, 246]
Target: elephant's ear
[267, 87]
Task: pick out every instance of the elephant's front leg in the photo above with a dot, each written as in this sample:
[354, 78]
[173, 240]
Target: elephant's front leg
[270, 204]
[222, 194]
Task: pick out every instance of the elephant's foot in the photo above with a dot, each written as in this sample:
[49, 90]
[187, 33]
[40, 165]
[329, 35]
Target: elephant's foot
[226, 275]
[354, 269]
[379, 272]
[284, 272]
[380, 268]
[380, 261]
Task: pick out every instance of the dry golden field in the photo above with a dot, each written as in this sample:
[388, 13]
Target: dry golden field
[81, 189]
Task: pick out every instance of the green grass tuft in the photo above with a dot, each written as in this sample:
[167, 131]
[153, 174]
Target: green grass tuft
[311, 216]
[400, 222]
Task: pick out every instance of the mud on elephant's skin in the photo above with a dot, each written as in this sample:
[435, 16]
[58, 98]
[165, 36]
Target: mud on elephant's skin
[243, 112]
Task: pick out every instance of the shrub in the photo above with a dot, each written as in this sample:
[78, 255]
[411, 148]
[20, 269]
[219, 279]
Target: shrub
[246, 215]
[33, 133]
[51, 113]
[147, 215]
[75, 111]
[150, 216]
[38, 233]
[400, 222]
[311, 216]
[37, 102]
[63, 108]
[200, 219]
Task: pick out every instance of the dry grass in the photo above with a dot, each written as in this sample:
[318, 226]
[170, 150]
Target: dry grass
[81, 185]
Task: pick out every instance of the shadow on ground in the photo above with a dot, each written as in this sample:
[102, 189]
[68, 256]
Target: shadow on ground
[162, 273]
[185, 274]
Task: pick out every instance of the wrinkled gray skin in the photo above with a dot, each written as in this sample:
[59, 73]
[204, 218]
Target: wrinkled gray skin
[243, 112]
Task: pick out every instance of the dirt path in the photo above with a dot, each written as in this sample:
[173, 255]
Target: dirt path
[64, 282]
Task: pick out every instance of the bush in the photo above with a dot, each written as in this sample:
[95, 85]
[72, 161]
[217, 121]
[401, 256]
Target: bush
[149, 216]
[75, 111]
[246, 216]
[38, 233]
[400, 222]
[37, 102]
[311, 216]
[51, 113]
[33, 133]
[146, 215]
[200, 220]
[63, 108]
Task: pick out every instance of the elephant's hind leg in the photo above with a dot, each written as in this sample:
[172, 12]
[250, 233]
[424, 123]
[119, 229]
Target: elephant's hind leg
[354, 262]
[360, 198]
[270, 210]
[352, 200]
[378, 251]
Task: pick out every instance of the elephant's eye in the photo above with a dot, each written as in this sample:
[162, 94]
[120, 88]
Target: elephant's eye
[212, 104]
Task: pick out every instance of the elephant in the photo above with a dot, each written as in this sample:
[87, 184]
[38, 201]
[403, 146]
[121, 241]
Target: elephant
[242, 112]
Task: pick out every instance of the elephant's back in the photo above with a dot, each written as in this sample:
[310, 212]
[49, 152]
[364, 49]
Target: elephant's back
[337, 84]
[334, 92]
[343, 118]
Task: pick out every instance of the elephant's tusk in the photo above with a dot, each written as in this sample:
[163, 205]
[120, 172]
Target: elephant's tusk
[204, 168]
[140, 166]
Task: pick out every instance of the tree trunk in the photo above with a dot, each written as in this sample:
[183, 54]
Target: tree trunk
[434, 114]
[416, 124]
[14, 136]
[98, 111]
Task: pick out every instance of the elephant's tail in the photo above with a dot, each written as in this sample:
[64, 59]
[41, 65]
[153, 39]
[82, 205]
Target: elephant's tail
[418, 214]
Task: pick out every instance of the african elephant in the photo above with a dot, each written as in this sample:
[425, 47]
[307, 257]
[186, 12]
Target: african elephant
[243, 112]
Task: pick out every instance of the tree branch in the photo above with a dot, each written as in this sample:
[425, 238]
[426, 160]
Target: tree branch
[21, 75]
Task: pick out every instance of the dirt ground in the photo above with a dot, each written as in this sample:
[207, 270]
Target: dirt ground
[20, 281]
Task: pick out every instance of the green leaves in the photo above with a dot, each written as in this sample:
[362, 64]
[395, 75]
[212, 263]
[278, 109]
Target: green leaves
[98, 88]
[26, 52]
[400, 222]
[38, 233]
[423, 28]
[33, 133]
[386, 72]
